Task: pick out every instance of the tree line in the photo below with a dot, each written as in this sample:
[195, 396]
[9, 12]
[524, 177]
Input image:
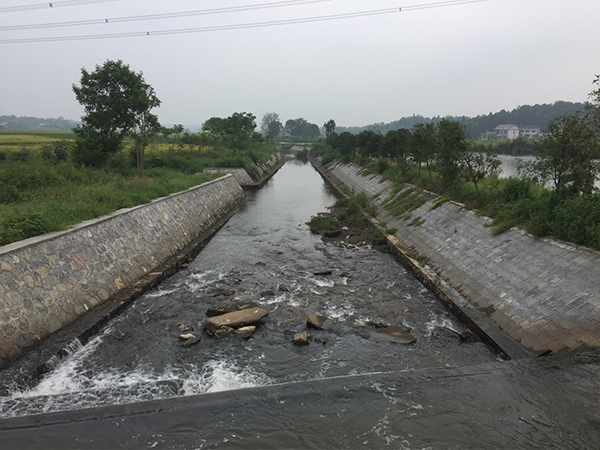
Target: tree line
[526, 115]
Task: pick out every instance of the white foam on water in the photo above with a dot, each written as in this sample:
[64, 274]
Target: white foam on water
[323, 282]
[439, 322]
[339, 312]
[199, 280]
[221, 375]
[160, 293]
[65, 378]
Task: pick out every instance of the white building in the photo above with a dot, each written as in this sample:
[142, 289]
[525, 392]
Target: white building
[506, 131]
[530, 132]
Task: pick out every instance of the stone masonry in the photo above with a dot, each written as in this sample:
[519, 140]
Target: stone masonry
[47, 282]
[543, 293]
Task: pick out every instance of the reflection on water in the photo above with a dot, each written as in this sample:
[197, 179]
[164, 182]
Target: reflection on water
[510, 164]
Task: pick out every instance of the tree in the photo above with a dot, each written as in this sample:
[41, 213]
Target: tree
[346, 145]
[424, 145]
[301, 129]
[593, 106]
[569, 157]
[369, 143]
[329, 128]
[451, 142]
[234, 131]
[476, 164]
[271, 126]
[146, 127]
[116, 100]
[397, 144]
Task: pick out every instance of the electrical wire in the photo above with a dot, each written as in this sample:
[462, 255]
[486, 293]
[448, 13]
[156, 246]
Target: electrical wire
[51, 4]
[325, 18]
[201, 12]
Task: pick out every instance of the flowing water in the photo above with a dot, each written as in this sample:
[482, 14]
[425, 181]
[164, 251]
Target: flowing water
[374, 390]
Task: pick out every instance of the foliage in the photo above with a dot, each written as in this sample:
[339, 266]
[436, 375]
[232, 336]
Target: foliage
[235, 131]
[271, 126]
[302, 155]
[116, 100]
[329, 128]
[569, 158]
[477, 164]
[301, 129]
[22, 226]
[452, 145]
[320, 224]
[57, 151]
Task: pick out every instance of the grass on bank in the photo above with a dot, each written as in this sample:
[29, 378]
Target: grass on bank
[40, 192]
[509, 201]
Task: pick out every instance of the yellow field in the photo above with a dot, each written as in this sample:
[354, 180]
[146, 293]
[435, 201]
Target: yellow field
[16, 142]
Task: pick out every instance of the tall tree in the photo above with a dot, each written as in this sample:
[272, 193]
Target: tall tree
[424, 145]
[329, 128]
[397, 145]
[271, 126]
[115, 100]
[451, 146]
[569, 158]
[593, 106]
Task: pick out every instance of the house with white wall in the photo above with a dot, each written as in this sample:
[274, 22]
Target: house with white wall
[507, 131]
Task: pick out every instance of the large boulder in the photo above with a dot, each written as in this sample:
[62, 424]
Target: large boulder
[393, 334]
[234, 319]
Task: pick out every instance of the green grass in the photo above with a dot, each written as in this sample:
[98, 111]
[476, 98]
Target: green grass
[38, 195]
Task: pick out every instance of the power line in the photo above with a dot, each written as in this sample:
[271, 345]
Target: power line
[224, 10]
[331, 17]
[51, 4]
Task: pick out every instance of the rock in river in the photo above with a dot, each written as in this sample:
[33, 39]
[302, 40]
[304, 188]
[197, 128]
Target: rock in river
[237, 306]
[245, 332]
[323, 272]
[234, 319]
[318, 322]
[393, 334]
[300, 339]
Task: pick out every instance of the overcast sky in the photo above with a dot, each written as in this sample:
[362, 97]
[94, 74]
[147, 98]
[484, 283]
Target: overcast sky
[468, 59]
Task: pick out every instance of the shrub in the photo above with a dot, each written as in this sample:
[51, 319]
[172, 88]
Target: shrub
[22, 226]
[378, 238]
[22, 155]
[9, 194]
[319, 224]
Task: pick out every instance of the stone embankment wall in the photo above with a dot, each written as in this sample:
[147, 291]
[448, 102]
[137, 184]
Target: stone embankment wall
[47, 282]
[261, 172]
[545, 294]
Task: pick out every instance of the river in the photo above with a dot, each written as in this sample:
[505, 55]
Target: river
[345, 389]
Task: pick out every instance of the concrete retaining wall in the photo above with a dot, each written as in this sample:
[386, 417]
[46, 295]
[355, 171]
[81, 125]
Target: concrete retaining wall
[47, 282]
[543, 293]
[261, 172]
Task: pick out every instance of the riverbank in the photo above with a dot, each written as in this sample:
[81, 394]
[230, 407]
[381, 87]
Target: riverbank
[541, 293]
